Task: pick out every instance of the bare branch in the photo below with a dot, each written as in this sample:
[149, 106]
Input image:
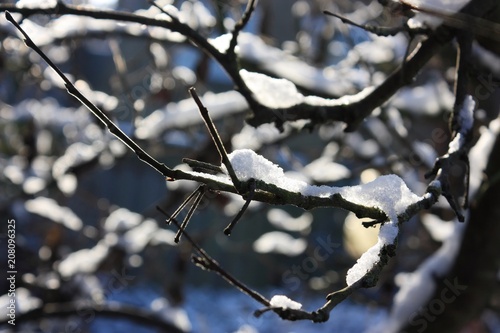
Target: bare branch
[240, 26]
[205, 261]
[216, 138]
[251, 193]
[73, 91]
[200, 191]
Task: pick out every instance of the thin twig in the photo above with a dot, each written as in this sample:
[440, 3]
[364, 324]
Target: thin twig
[240, 26]
[251, 192]
[207, 167]
[379, 31]
[216, 138]
[200, 192]
[73, 91]
[183, 204]
[173, 17]
[214, 266]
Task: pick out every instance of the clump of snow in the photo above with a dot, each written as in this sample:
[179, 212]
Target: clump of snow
[248, 164]
[417, 287]
[121, 220]
[280, 242]
[281, 301]
[221, 42]
[271, 92]
[388, 193]
[282, 93]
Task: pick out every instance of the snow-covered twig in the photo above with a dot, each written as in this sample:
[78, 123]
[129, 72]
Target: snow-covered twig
[461, 126]
[351, 114]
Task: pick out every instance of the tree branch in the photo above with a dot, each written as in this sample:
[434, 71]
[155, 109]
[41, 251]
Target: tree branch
[109, 309]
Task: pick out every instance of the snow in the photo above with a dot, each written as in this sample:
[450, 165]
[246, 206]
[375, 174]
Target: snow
[439, 230]
[381, 193]
[465, 122]
[121, 220]
[222, 42]
[417, 287]
[479, 153]
[185, 113]
[425, 152]
[388, 193]
[324, 170]
[84, 261]
[333, 80]
[25, 301]
[51, 210]
[282, 220]
[282, 93]
[253, 138]
[271, 92]
[448, 7]
[171, 313]
[281, 301]
[279, 242]
[36, 4]
[429, 99]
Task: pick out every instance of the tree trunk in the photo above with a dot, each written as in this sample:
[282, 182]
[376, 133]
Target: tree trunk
[462, 295]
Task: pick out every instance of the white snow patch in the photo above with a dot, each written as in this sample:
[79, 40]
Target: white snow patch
[51, 210]
[281, 301]
[417, 287]
[465, 122]
[440, 230]
[185, 113]
[282, 93]
[324, 170]
[429, 99]
[281, 219]
[171, 313]
[84, 261]
[272, 92]
[280, 242]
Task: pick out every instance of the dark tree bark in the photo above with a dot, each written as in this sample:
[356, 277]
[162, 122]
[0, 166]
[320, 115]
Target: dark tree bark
[462, 295]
